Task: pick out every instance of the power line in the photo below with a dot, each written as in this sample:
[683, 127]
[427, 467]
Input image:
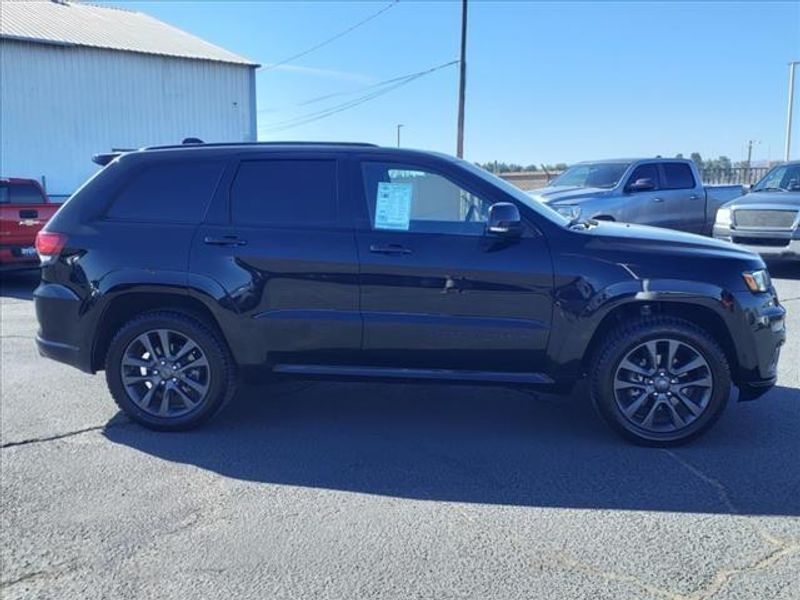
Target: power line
[330, 111]
[331, 39]
[360, 90]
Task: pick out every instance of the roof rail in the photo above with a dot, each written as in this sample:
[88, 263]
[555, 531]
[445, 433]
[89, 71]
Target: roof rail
[224, 144]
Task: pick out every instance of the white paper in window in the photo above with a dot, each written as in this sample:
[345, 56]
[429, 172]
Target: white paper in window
[393, 206]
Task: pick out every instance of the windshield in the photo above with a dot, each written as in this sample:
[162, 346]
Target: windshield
[515, 193]
[784, 178]
[594, 175]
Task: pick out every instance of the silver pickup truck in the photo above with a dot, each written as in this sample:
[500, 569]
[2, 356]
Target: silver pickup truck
[664, 192]
[767, 220]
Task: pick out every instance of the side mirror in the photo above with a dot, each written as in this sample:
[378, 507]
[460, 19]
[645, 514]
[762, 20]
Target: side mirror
[504, 220]
[644, 184]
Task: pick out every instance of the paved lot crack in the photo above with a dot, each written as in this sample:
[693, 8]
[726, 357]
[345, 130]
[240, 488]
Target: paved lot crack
[61, 436]
[22, 578]
[781, 549]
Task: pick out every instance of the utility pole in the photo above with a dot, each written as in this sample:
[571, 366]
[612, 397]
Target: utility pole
[788, 150]
[399, 126]
[749, 160]
[462, 83]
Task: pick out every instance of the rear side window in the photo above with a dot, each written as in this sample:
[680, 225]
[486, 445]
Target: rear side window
[285, 192]
[20, 193]
[677, 176]
[169, 192]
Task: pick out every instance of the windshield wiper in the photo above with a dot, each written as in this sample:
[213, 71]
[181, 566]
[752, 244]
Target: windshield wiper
[771, 189]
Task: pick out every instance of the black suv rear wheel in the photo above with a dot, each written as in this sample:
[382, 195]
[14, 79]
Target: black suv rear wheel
[660, 381]
[168, 371]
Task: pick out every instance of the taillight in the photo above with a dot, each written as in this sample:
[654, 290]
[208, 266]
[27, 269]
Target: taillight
[50, 244]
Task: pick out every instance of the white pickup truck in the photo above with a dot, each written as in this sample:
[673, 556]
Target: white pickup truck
[664, 192]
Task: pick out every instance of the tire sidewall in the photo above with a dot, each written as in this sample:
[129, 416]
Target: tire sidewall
[605, 399]
[210, 348]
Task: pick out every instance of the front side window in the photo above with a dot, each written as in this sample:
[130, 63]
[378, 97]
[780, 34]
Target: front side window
[647, 172]
[678, 176]
[174, 192]
[405, 198]
[285, 193]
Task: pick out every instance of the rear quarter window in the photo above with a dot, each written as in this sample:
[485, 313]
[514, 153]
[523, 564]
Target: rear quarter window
[174, 192]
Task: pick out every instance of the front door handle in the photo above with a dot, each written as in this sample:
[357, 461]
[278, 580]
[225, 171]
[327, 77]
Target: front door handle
[389, 249]
[658, 199]
[226, 240]
[694, 197]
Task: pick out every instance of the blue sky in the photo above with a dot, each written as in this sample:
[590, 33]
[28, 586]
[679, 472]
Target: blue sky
[547, 81]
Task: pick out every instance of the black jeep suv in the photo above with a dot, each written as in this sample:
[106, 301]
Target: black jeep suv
[179, 270]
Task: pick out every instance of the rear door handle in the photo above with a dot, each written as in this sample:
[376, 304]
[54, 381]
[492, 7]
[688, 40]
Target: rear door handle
[226, 240]
[658, 199]
[389, 249]
[28, 214]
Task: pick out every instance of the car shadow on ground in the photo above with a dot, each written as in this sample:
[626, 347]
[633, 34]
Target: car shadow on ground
[490, 446]
[19, 284]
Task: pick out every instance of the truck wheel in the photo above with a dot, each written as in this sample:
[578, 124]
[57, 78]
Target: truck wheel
[168, 371]
[660, 381]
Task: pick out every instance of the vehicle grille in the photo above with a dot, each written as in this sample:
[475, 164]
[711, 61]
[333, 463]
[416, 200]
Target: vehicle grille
[777, 219]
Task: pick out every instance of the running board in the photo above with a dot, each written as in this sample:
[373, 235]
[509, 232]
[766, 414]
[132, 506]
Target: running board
[351, 371]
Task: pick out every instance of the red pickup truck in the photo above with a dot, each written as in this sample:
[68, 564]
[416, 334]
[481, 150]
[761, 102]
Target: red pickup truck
[24, 210]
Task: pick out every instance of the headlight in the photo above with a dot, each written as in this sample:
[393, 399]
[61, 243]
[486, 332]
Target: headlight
[724, 217]
[757, 281]
[571, 212]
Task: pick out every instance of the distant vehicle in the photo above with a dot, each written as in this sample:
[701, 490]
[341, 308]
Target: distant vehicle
[24, 210]
[658, 191]
[177, 269]
[767, 220]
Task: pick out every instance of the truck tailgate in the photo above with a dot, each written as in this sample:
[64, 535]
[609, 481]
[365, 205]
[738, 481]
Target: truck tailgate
[19, 224]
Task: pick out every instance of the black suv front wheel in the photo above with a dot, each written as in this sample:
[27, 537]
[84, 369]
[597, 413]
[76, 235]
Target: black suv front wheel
[660, 381]
[168, 371]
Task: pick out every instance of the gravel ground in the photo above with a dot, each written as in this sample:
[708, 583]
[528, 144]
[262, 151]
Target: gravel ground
[376, 491]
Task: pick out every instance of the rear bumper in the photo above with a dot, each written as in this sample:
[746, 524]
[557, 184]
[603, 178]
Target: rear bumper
[59, 315]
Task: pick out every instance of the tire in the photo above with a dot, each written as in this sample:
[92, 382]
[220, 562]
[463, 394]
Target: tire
[176, 390]
[632, 395]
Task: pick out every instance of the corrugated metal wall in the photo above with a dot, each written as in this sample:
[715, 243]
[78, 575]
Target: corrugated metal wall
[61, 104]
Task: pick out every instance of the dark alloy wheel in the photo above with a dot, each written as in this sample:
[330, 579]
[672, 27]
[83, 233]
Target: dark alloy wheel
[165, 372]
[169, 371]
[660, 381]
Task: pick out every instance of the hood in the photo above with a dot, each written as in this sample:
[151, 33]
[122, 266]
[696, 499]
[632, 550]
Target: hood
[788, 199]
[642, 238]
[559, 193]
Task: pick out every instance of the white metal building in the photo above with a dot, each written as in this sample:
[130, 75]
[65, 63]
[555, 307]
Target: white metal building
[78, 79]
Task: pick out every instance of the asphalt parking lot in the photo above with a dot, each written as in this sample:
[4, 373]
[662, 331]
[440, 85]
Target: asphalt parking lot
[324, 490]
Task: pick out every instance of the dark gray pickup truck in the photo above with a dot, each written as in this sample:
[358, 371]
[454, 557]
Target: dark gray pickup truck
[767, 220]
[654, 191]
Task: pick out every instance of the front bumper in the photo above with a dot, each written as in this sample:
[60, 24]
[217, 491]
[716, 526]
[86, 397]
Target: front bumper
[771, 245]
[758, 335]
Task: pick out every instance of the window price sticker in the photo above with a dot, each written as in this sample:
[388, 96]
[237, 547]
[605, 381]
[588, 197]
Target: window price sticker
[393, 206]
